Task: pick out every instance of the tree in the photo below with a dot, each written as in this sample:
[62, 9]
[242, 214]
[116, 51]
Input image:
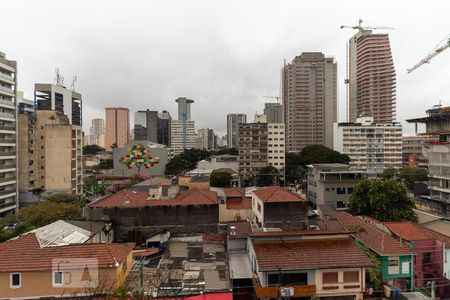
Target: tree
[267, 176]
[411, 175]
[220, 179]
[63, 198]
[383, 199]
[106, 164]
[193, 156]
[92, 149]
[229, 151]
[390, 173]
[138, 157]
[176, 166]
[45, 213]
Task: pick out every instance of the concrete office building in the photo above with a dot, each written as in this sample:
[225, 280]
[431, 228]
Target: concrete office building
[371, 78]
[206, 139]
[437, 152]
[96, 133]
[8, 136]
[372, 147]
[50, 155]
[261, 144]
[332, 184]
[412, 150]
[233, 122]
[117, 127]
[274, 112]
[309, 100]
[24, 105]
[152, 126]
[59, 98]
[177, 132]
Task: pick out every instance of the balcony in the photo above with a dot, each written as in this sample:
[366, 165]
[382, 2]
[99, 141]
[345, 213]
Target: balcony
[7, 115]
[7, 192]
[282, 291]
[6, 205]
[7, 90]
[7, 127]
[4, 167]
[7, 103]
[6, 76]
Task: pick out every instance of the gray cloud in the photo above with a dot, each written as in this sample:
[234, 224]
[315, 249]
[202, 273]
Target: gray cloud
[224, 54]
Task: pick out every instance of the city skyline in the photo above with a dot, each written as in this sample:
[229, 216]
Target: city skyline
[224, 71]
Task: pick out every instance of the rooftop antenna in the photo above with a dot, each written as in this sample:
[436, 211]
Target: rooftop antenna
[59, 79]
[74, 79]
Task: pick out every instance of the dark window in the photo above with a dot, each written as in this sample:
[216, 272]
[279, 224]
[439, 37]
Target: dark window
[15, 280]
[349, 190]
[330, 277]
[340, 191]
[427, 257]
[288, 279]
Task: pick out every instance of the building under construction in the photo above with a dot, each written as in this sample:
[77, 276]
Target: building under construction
[437, 123]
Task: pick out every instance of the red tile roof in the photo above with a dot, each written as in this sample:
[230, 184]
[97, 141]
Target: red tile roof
[234, 192]
[375, 239]
[310, 254]
[277, 194]
[25, 254]
[128, 198]
[242, 203]
[241, 229]
[297, 233]
[436, 235]
[407, 231]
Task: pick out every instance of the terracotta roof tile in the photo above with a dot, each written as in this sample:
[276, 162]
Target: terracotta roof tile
[375, 239]
[310, 254]
[436, 235]
[242, 203]
[128, 198]
[234, 192]
[277, 194]
[406, 230]
[25, 254]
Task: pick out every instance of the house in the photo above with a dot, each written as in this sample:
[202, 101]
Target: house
[234, 204]
[277, 207]
[137, 214]
[430, 249]
[332, 184]
[396, 257]
[30, 270]
[307, 263]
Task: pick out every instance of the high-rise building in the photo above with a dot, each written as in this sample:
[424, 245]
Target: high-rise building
[184, 108]
[309, 100]
[50, 155]
[152, 126]
[8, 137]
[372, 147]
[97, 127]
[59, 98]
[371, 77]
[274, 112]
[117, 127]
[412, 150]
[233, 122]
[182, 136]
[206, 139]
[97, 133]
[261, 144]
[24, 106]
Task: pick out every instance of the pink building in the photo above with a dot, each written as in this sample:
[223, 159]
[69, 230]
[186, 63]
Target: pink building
[117, 127]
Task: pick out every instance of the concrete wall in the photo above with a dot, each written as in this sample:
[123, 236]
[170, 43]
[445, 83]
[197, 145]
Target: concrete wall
[287, 215]
[135, 223]
[226, 215]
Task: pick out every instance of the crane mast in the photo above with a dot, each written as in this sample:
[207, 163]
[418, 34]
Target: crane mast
[440, 48]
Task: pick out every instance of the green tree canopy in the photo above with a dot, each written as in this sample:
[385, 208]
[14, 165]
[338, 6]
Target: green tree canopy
[45, 213]
[176, 166]
[384, 199]
[220, 179]
[106, 164]
[92, 149]
[267, 176]
[411, 175]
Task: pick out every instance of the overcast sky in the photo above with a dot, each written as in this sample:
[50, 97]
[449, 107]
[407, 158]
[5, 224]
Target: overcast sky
[225, 55]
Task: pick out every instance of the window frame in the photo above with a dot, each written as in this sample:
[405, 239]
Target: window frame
[54, 277]
[11, 280]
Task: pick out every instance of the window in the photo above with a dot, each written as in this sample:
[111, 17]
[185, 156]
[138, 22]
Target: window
[57, 278]
[15, 281]
[340, 191]
[288, 279]
[349, 190]
[351, 276]
[427, 257]
[259, 207]
[393, 267]
[330, 277]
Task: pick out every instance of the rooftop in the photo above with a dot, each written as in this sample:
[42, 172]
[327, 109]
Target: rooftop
[129, 198]
[277, 194]
[407, 231]
[309, 254]
[26, 254]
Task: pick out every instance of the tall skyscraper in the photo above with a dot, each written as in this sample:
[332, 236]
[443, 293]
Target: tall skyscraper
[182, 131]
[371, 77]
[206, 139]
[8, 136]
[273, 112]
[184, 108]
[152, 126]
[117, 127]
[233, 122]
[97, 133]
[97, 127]
[59, 98]
[309, 100]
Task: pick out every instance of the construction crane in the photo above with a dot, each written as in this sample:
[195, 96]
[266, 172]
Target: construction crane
[273, 97]
[444, 44]
[360, 27]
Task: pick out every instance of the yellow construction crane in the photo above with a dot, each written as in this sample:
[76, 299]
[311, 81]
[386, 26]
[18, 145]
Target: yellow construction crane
[360, 27]
[444, 44]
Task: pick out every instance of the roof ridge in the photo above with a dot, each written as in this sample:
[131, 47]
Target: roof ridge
[274, 190]
[111, 254]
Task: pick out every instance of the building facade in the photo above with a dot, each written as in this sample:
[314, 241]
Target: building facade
[152, 126]
[372, 147]
[117, 127]
[372, 80]
[59, 98]
[233, 122]
[182, 136]
[332, 184]
[206, 139]
[274, 112]
[309, 100]
[50, 155]
[8, 137]
[412, 148]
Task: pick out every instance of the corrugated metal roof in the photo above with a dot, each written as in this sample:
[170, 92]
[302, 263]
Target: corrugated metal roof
[61, 233]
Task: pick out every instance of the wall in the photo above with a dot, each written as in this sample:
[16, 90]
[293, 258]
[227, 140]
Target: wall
[133, 224]
[340, 288]
[287, 215]
[226, 214]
